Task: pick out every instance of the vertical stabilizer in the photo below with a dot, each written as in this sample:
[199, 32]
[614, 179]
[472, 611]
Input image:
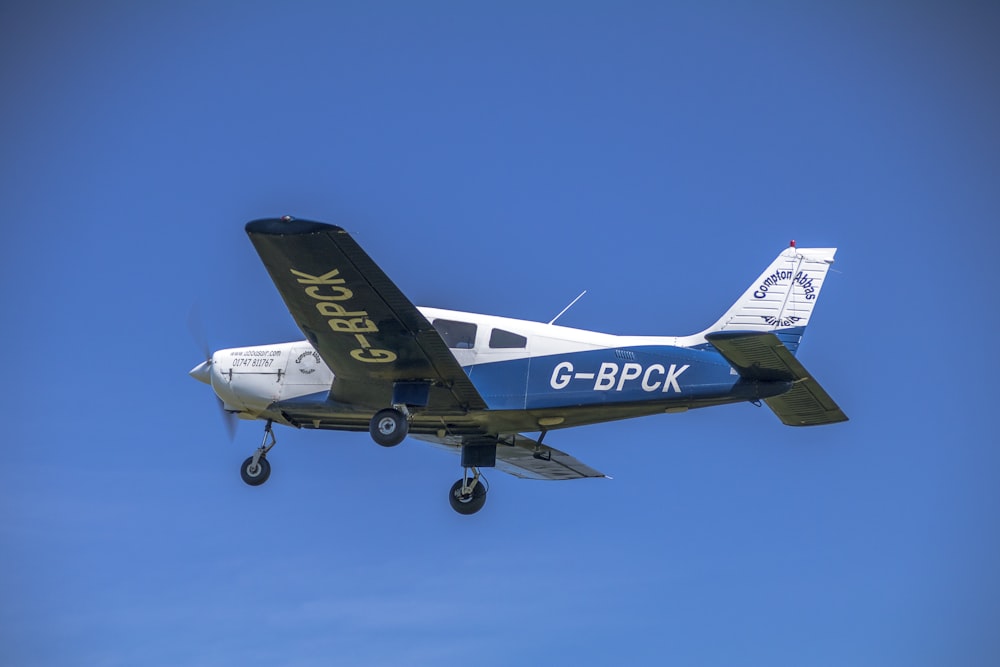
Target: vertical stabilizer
[781, 300]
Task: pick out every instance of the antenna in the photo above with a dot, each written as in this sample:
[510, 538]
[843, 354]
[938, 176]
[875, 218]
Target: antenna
[552, 321]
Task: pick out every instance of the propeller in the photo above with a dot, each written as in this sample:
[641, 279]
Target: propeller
[203, 371]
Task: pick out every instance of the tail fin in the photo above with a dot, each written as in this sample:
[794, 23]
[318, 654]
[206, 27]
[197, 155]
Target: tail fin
[781, 300]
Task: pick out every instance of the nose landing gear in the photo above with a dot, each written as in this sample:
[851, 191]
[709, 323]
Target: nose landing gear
[256, 469]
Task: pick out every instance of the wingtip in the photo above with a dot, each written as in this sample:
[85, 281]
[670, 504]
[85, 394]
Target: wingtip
[288, 226]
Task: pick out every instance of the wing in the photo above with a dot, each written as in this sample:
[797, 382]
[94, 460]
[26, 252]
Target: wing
[763, 357]
[362, 325]
[523, 457]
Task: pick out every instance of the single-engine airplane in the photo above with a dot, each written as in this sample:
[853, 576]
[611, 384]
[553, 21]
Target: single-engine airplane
[473, 383]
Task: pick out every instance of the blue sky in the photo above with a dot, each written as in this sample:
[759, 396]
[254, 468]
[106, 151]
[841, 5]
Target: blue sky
[500, 158]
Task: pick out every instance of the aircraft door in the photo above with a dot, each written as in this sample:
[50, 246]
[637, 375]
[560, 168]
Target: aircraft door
[501, 370]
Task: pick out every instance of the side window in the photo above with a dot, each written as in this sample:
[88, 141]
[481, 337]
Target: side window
[459, 335]
[505, 339]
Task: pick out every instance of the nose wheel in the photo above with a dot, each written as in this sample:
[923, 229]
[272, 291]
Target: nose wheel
[256, 469]
[468, 495]
[255, 474]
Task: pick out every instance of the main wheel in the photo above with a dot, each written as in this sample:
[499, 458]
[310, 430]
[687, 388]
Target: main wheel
[388, 427]
[467, 503]
[255, 475]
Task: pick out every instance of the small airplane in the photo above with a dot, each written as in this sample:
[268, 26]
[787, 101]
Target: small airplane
[474, 383]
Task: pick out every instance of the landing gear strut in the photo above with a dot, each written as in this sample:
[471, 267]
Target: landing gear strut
[255, 470]
[468, 495]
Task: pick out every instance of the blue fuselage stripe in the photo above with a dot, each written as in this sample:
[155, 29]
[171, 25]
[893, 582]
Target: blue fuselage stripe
[606, 376]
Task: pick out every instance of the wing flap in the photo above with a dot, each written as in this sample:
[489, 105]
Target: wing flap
[362, 325]
[521, 456]
[762, 357]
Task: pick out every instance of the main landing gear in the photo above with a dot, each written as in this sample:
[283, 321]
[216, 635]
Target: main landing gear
[255, 470]
[389, 426]
[468, 495]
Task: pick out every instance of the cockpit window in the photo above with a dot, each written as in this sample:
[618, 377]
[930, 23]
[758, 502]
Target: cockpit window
[458, 335]
[505, 339]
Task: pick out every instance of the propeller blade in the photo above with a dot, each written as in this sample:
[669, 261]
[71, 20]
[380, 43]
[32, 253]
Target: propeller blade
[197, 331]
[203, 371]
[229, 420]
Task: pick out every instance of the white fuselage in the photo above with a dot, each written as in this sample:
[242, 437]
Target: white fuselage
[249, 379]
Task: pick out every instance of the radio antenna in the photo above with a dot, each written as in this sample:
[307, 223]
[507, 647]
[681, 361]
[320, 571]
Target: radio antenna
[552, 321]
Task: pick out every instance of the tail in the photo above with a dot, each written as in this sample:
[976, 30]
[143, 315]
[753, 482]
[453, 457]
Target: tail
[759, 335]
[781, 300]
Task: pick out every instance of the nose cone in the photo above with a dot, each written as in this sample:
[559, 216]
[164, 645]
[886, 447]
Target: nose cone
[202, 372]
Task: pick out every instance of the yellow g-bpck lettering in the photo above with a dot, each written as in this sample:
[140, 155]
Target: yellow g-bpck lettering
[373, 356]
[353, 325]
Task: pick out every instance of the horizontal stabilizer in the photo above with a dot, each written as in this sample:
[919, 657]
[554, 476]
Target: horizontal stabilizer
[763, 358]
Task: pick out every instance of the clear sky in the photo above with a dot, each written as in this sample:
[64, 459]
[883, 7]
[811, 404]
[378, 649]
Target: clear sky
[500, 158]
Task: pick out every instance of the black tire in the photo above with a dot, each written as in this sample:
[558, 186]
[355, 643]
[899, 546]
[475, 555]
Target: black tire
[259, 475]
[388, 427]
[467, 504]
